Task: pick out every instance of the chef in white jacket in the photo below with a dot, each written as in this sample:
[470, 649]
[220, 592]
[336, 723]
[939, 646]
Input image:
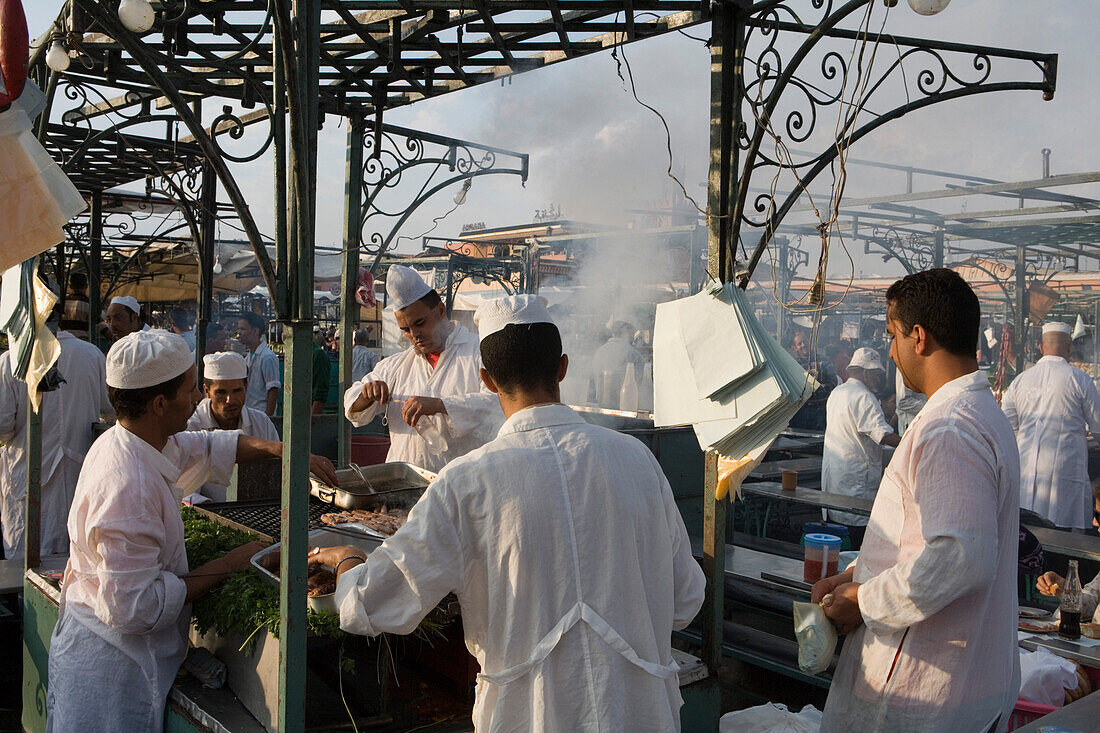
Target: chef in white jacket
[121, 633]
[436, 378]
[855, 431]
[929, 607]
[565, 548]
[67, 416]
[225, 384]
[1050, 406]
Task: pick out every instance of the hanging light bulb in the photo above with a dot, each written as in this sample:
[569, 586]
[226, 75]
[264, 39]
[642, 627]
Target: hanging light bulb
[460, 197]
[57, 58]
[928, 7]
[136, 15]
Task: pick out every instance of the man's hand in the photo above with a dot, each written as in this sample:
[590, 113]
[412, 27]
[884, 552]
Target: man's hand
[340, 558]
[825, 586]
[239, 557]
[842, 607]
[375, 391]
[418, 407]
[323, 469]
[1051, 583]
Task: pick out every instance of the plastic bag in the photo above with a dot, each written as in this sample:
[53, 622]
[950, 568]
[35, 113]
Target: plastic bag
[816, 637]
[1045, 677]
[771, 718]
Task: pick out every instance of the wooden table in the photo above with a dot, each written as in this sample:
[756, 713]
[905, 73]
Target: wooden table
[811, 497]
[773, 470]
[1068, 543]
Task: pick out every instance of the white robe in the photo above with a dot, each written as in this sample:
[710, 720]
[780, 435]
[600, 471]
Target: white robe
[122, 630]
[473, 412]
[572, 565]
[1050, 405]
[67, 417]
[851, 461]
[937, 649]
[254, 423]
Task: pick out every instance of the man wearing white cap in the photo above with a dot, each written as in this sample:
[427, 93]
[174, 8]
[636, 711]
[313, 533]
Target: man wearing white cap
[124, 316]
[224, 380]
[563, 543]
[122, 629]
[1050, 406]
[855, 431]
[67, 416]
[436, 378]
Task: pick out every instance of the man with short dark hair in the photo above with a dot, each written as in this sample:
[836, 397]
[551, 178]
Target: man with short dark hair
[122, 629]
[180, 324]
[436, 380]
[563, 543]
[263, 364]
[124, 316]
[215, 337]
[929, 607]
[1051, 406]
[363, 360]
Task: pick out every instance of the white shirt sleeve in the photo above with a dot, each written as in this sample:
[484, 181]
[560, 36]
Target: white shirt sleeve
[136, 595]
[408, 575]
[269, 371]
[361, 418]
[955, 489]
[206, 456]
[478, 411]
[1092, 406]
[869, 418]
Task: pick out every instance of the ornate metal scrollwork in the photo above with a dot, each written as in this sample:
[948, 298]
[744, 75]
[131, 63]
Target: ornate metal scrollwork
[397, 159]
[789, 89]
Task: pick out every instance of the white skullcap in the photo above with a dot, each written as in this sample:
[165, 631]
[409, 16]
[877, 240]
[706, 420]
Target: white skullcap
[867, 359]
[404, 286]
[147, 358]
[1057, 327]
[129, 301]
[496, 314]
[803, 322]
[224, 365]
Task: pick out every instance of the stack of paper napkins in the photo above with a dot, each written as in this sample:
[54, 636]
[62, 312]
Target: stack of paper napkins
[715, 368]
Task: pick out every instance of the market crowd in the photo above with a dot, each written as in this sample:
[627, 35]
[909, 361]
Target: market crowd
[561, 539]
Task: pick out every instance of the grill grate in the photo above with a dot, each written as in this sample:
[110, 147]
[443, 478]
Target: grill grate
[261, 516]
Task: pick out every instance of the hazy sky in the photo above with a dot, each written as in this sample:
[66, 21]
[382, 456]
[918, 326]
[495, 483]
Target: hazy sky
[596, 152]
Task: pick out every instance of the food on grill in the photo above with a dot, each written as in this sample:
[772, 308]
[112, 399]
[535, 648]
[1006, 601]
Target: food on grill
[270, 562]
[382, 520]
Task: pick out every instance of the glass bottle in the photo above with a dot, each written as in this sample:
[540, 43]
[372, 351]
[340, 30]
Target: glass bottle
[425, 426]
[628, 393]
[1069, 609]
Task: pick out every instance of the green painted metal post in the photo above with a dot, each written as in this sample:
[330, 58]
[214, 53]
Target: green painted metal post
[727, 56]
[208, 220]
[349, 306]
[299, 47]
[32, 523]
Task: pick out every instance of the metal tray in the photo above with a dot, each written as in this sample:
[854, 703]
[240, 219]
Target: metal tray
[317, 538]
[401, 485]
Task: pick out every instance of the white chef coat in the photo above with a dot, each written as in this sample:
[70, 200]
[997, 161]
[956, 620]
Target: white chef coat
[937, 650]
[1049, 406]
[254, 423]
[122, 630]
[363, 361]
[263, 376]
[851, 461]
[572, 565]
[473, 412]
[909, 403]
[67, 417]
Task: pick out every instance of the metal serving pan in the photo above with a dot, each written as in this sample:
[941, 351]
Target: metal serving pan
[392, 484]
[317, 538]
